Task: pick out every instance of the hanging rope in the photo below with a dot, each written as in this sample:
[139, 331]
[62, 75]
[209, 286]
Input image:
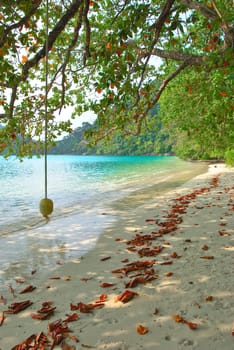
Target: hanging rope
[46, 97]
[46, 204]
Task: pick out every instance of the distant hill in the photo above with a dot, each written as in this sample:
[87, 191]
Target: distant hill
[150, 141]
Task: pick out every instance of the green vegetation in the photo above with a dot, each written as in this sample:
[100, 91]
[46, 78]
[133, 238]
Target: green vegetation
[150, 141]
[119, 59]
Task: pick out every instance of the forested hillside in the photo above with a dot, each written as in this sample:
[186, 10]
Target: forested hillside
[150, 141]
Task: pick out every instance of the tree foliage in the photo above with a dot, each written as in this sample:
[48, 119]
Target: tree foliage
[103, 55]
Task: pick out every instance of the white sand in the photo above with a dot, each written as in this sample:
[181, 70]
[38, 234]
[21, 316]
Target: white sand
[196, 289]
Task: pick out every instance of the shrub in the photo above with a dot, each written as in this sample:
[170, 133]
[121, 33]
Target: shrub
[229, 157]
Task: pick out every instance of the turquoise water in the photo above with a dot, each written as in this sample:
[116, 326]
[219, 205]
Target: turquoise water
[76, 183]
[89, 193]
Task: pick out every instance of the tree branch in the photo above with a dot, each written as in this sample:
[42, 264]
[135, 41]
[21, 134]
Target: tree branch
[203, 9]
[20, 24]
[194, 60]
[58, 28]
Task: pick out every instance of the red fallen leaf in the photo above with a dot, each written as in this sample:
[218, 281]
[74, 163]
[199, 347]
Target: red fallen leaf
[53, 325]
[14, 308]
[204, 247]
[102, 298]
[72, 337]
[233, 331]
[27, 289]
[42, 316]
[119, 239]
[175, 255]
[180, 319]
[106, 258]
[3, 300]
[58, 330]
[47, 303]
[85, 279]
[191, 325]
[223, 233]
[169, 274]
[25, 343]
[46, 309]
[141, 329]
[66, 346]
[209, 298]
[2, 318]
[208, 257]
[41, 339]
[67, 278]
[106, 285]
[85, 308]
[150, 220]
[72, 317]
[177, 318]
[19, 280]
[126, 296]
[57, 339]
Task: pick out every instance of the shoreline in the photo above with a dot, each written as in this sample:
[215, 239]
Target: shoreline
[181, 281]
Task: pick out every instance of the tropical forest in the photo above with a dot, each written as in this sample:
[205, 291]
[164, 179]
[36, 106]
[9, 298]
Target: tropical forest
[158, 74]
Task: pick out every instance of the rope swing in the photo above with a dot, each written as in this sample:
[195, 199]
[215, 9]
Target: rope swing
[46, 204]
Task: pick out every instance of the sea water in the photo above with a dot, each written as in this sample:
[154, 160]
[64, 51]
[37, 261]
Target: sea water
[88, 192]
[76, 183]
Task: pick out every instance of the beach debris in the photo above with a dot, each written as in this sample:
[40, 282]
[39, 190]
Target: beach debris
[224, 233]
[87, 308]
[208, 257]
[33, 272]
[142, 279]
[180, 319]
[141, 329]
[204, 247]
[19, 280]
[45, 312]
[2, 318]
[169, 274]
[58, 331]
[71, 318]
[86, 279]
[3, 300]
[59, 262]
[106, 258]
[27, 289]
[87, 346]
[16, 307]
[150, 251]
[126, 296]
[106, 285]
[156, 311]
[209, 298]
[12, 291]
[135, 266]
[66, 346]
[39, 341]
[55, 278]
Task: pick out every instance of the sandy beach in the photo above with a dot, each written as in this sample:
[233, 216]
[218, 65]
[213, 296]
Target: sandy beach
[159, 278]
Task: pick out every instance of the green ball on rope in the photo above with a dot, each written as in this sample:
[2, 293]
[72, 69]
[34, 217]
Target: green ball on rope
[46, 207]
